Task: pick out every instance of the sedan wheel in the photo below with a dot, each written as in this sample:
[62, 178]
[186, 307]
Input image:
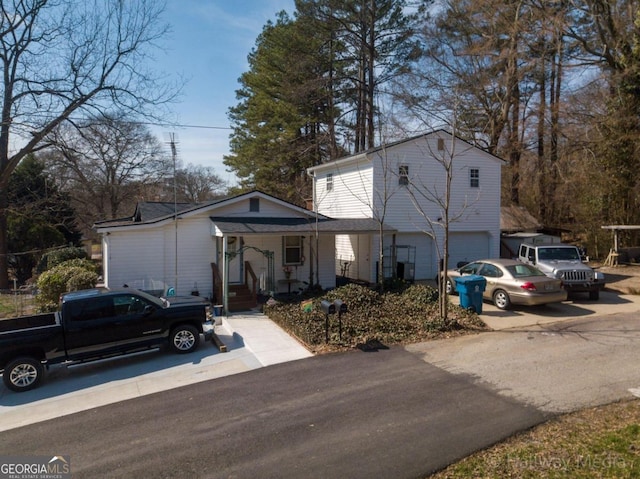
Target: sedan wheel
[501, 299]
[449, 287]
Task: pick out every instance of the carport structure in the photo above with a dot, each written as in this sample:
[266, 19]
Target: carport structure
[614, 253]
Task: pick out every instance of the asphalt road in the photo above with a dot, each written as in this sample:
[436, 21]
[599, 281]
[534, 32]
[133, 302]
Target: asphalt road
[385, 414]
[397, 413]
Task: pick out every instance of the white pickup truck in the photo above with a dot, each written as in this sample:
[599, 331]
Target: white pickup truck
[563, 261]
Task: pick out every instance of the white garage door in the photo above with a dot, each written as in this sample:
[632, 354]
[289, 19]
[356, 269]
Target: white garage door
[466, 247]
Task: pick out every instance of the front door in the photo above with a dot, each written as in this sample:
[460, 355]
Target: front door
[236, 259]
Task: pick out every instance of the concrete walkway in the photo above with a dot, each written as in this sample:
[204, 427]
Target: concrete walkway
[253, 341]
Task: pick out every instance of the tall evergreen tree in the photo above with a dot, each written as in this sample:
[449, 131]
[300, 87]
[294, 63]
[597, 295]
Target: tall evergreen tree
[313, 89]
[280, 123]
[40, 217]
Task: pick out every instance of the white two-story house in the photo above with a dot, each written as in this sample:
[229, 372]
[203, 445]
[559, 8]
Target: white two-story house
[405, 186]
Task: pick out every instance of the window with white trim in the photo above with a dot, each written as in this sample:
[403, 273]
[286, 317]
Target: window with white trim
[292, 250]
[474, 177]
[329, 181]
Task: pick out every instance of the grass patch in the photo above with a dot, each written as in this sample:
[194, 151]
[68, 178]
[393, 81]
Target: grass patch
[600, 442]
[12, 305]
[408, 314]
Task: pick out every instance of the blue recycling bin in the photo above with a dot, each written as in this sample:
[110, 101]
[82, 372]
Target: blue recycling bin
[470, 287]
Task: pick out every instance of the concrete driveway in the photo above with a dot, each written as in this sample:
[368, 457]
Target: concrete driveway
[252, 340]
[578, 306]
[558, 358]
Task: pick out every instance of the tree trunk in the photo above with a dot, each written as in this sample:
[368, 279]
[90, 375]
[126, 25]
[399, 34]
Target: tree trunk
[4, 241]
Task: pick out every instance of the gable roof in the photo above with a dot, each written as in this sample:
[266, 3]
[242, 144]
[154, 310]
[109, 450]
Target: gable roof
[150, 212]
[364, 155]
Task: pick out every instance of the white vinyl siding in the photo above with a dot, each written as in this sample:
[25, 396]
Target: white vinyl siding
[351, 195]
[243, 208]
[145, 253]
[374, 192]
[134, 257]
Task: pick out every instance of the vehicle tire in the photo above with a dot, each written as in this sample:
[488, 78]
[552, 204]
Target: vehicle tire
[594, 295]
[501, 299]
[449, 287]
[22, 374]
[184, 339]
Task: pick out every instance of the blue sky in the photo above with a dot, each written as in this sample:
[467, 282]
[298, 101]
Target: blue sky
[209, 45]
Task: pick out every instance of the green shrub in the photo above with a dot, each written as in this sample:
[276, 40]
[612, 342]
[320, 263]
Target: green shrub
[82, 263]
[62, 279]
[59, 256]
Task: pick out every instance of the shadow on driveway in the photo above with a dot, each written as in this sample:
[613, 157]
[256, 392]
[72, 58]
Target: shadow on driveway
[577, 306]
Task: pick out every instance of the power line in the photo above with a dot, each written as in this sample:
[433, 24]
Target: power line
[178, 125]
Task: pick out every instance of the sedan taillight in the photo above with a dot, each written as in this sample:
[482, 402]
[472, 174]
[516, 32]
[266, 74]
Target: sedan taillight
[529, 286]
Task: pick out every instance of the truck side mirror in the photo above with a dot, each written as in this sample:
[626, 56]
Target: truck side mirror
[327, 307]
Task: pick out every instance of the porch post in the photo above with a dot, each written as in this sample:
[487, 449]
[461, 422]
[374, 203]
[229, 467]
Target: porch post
[225, 275]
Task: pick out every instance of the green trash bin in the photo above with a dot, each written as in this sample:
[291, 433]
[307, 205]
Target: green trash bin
[470, 287]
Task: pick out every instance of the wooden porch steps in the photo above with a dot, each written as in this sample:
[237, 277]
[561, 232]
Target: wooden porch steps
[241, 298]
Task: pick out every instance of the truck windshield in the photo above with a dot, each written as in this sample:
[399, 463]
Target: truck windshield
[558, 254]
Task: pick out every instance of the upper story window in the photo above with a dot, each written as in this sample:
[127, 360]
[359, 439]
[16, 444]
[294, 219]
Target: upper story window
[292, 246]
[329, 181]
[474, 177]
[403, 175]
[254, 204]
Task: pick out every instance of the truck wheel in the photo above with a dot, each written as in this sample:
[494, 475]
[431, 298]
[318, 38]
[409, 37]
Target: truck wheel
[184, 339]
[501, 299]
[22, 374]
[594, 295]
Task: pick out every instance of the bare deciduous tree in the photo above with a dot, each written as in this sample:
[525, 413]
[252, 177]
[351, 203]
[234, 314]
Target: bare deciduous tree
[71, 57]
[106, 164]
[435, 197]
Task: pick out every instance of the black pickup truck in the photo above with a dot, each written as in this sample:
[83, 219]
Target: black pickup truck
[96, 324]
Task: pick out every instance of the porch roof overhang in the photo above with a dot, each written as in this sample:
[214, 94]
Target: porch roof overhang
[292, 226]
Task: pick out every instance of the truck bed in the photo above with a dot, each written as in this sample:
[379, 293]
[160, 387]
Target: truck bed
[24, 322]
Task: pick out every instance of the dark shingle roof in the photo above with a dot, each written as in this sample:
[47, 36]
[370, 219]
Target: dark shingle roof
[266, 225]
[517, 218]
[150, 210]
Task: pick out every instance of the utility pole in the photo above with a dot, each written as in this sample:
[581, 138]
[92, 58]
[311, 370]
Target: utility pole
[174, 156]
